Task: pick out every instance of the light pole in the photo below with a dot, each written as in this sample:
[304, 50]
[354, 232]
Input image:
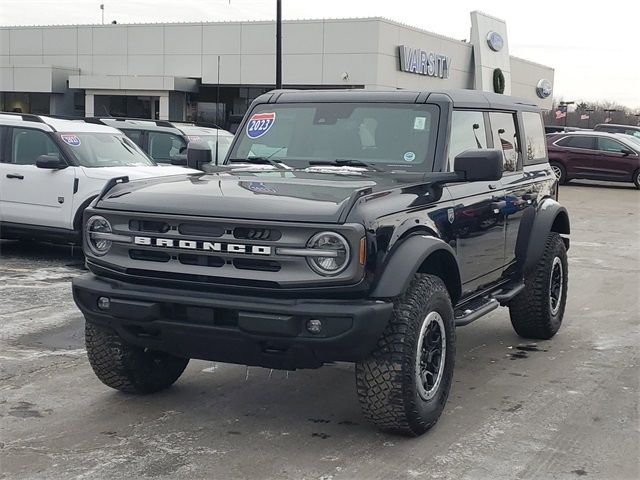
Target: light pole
[279, 44]
[566, 110]
[607, 112]
[589, 112]
[102, 8]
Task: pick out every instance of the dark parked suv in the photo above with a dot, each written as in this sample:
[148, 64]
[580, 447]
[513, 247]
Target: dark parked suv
[344, 226]
[614, 128]
[595, 156]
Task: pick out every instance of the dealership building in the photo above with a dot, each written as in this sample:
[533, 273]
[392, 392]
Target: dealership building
[212, 71]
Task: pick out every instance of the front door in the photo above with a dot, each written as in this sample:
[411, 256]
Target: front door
[31, 195]
[476, 212]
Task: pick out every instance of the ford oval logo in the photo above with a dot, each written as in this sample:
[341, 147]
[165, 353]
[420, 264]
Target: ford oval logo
[543, 88]
[495, 41]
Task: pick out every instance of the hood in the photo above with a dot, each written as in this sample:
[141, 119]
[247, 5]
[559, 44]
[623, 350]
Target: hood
[300, 196]
[135, 173]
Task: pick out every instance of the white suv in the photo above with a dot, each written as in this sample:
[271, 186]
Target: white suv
[51, 169]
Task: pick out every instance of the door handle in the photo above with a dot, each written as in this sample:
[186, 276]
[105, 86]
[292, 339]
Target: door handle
[15, 175]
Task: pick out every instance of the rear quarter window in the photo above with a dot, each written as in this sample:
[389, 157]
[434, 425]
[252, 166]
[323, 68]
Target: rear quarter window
[535, 146]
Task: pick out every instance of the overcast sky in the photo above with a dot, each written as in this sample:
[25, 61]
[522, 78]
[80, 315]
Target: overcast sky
[594, 49]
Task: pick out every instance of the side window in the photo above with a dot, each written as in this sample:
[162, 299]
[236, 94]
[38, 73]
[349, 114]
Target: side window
[28, 144]
[134, 135]
[165, 146]
[535, 145]
[505, 137]
[609, 145]
[2, 147]
[575, 141]
[467, 132]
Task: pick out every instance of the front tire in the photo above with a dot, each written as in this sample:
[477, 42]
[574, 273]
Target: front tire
[128, 368]
[636, 178]
[537, 312]
[404, 384]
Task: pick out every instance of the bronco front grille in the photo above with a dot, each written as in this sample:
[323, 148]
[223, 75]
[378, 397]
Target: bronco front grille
[220, 251]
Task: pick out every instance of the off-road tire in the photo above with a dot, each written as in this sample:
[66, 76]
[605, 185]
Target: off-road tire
[386, 382]
[129, 368]
[531, 311]
[636, 178]
[562, 179]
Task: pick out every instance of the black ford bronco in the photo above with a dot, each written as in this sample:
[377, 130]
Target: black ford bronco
[353, 226]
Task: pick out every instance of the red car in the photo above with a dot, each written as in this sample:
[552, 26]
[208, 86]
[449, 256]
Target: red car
[594, 156]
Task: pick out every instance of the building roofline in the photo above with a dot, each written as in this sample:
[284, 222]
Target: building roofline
[237, 22]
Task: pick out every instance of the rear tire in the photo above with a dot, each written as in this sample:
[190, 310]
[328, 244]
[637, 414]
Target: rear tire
[537, 312]
[404, 384]
[636, 178]
[560, 172]
[128, 368]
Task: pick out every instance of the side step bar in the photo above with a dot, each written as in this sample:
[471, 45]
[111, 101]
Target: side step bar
[467, 316]
[479, 307]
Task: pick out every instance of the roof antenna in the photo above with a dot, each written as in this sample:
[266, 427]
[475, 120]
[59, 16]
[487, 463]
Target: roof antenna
[217, 108]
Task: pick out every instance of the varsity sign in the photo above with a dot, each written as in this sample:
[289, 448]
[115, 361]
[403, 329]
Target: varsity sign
[422, 62]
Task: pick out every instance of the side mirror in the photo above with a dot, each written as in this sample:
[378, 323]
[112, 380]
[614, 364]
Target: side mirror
[50, 162]
[479, 165]
[180, 160]
[627, 152]
[198, 154]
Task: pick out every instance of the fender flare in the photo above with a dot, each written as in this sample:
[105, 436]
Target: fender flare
[77, 217]
[408, 257]
[534, 230]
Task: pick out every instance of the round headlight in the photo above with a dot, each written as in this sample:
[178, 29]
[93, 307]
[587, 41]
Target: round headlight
[93, 238]
[336, 248]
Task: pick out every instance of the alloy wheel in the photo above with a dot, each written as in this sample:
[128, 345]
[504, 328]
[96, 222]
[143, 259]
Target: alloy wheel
[431, 354]
[556, 283]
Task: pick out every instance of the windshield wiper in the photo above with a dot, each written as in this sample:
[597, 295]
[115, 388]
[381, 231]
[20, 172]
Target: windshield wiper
[347, 162]
[259, 161]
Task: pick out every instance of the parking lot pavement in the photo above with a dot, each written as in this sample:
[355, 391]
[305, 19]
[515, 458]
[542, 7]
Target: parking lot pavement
[564, 408]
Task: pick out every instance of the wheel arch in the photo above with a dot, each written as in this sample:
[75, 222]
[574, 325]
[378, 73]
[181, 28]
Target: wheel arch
[550, 216]
[418, 254]
[77, 219]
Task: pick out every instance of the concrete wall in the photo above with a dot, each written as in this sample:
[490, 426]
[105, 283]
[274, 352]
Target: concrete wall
[524, 79]
[354, 52]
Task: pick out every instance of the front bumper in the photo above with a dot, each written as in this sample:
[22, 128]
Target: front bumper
[259, 331]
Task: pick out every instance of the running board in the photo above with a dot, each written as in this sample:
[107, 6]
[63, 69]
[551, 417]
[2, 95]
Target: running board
[465, 317]
[479, 307]
[508, 293]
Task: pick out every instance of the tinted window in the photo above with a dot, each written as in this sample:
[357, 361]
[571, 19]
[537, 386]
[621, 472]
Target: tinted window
[609, 145]
[505, 138]
[28, 144]
[165, 146]
[535, 145]
[576, 141]
[467, 132]
[392, 134]
[135, 136]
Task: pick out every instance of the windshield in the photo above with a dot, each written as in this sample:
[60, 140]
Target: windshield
[104, 150]
[224, 143]
[394, 136]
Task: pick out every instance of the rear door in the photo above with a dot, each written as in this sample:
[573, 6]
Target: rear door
[579, 153]
[611, 161]
[476, 218]
[30, 195]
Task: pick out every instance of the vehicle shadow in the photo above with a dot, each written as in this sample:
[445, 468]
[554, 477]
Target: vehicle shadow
[68, 255]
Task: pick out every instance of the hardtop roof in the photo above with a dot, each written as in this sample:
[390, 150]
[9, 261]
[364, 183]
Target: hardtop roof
[460, 98]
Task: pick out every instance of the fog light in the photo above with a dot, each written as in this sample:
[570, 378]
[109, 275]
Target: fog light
[104, 303]
[314, 326]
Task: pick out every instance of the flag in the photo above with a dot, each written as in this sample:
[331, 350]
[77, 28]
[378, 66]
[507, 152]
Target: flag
[584, 116]
[607, 120]
[560, 114]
